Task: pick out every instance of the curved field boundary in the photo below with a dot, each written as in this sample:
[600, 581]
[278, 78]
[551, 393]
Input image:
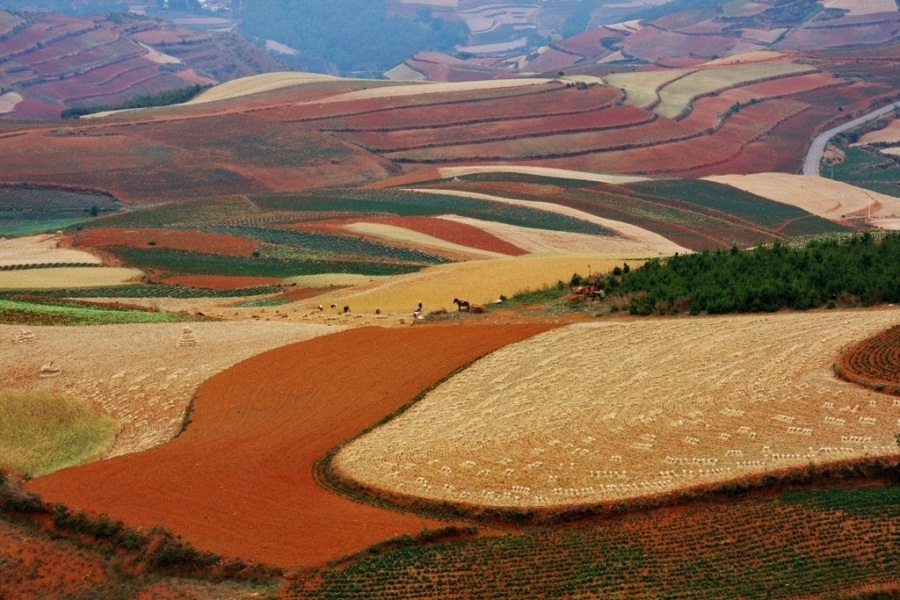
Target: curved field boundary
[874, 363]
[565, 422]
[239, 480]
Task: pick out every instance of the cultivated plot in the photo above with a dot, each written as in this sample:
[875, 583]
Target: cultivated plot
[605, 412]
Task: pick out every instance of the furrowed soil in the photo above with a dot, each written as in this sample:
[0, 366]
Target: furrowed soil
[239, 481]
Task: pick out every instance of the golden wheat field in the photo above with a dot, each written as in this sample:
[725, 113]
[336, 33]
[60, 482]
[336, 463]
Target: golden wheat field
[256, 84]
[66, 277]
[481, 281]
[143, 375]
[611, 411]
[418, 239]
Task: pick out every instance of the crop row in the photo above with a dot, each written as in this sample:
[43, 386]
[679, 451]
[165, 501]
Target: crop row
[828, 540]
[337, 244]
[146, 291]
[175, 261]
[22, 199]
[409, 203]
[875, 362]
[33, 313]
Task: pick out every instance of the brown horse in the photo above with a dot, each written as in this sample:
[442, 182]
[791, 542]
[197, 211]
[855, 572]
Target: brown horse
[462, 304]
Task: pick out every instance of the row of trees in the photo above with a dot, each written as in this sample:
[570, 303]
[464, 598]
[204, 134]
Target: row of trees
[167, 98]
[856, 270]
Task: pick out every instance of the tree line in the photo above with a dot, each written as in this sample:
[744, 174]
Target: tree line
[846, 271]
[169, 97]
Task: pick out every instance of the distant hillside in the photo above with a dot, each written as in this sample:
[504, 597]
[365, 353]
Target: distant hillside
[50, 62]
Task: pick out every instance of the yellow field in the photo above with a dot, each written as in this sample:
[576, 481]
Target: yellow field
[641, 88]
[451, 172]
[41, 250]
[256, 84]
[677, 96]
[829, 199]
[136, 373]
[418, 89]
[747, 57]
[481, 281]
[66, 278]
[889, 134]
[622, 409]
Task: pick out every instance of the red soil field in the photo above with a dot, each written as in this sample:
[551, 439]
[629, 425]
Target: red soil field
[32, 567]
[239, 480]
[530, 101]
[875, 362]
[553, 60]
[588, 43]
[652, 44]
[450, 231]
[223, 282]
[614, 117]
[191, 241]
[833, 37]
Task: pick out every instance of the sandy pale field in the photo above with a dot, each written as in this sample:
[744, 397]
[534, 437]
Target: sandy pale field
[142, 375]
[41, 250]
[66, 278]
[829, 199]
[451, 172]
[616, 410]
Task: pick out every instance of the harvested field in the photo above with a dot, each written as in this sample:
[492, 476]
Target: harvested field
[419, 89]
[829, 199]
[66, 277]
[747, 57]
[564, 420]
[634, 240]
[862, 7]
[256, 84]
[138, 374]
[41, 250]
[419, 240]
[481, 281]
[246, 461]
[190, 241]
[451, 172]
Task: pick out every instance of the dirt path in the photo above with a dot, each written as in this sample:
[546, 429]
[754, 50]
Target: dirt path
[239, 481]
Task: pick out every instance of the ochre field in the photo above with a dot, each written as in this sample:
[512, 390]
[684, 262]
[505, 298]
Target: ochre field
[602, 412]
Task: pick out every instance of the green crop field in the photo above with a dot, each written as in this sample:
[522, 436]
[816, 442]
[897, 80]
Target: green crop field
[145, 291]
[30, 210]
[18, 312]
[174, 261]
[867, 168]
[408, 203]
[807, 544]
[743, 205]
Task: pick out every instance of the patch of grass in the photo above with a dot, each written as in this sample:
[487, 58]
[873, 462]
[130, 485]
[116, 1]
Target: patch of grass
[545, 295]
[264, 302]
[42, 432]
[19, 312]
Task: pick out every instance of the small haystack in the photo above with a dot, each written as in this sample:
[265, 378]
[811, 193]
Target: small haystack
[188, 339]
[51, 369]
[25, 336]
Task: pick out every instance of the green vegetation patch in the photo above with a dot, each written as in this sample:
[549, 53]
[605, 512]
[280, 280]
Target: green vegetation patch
[744, 205]
[868, 168]
[146, 291]
[20, 312]
[705, 551]
[167, 98]
[25, 210]
[408, 203]
[176, 261]
[866, 501]
[175, 214]
[42, 432]
[853, 270]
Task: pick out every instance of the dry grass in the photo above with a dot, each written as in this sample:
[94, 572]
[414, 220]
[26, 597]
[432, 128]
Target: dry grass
[42, 432]
[632, 239]
[66, 277]
[137, 373]
[617, 410]
[829, 199]
[41, 250]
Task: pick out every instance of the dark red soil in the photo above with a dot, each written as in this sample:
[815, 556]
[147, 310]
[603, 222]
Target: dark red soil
[239, 480]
